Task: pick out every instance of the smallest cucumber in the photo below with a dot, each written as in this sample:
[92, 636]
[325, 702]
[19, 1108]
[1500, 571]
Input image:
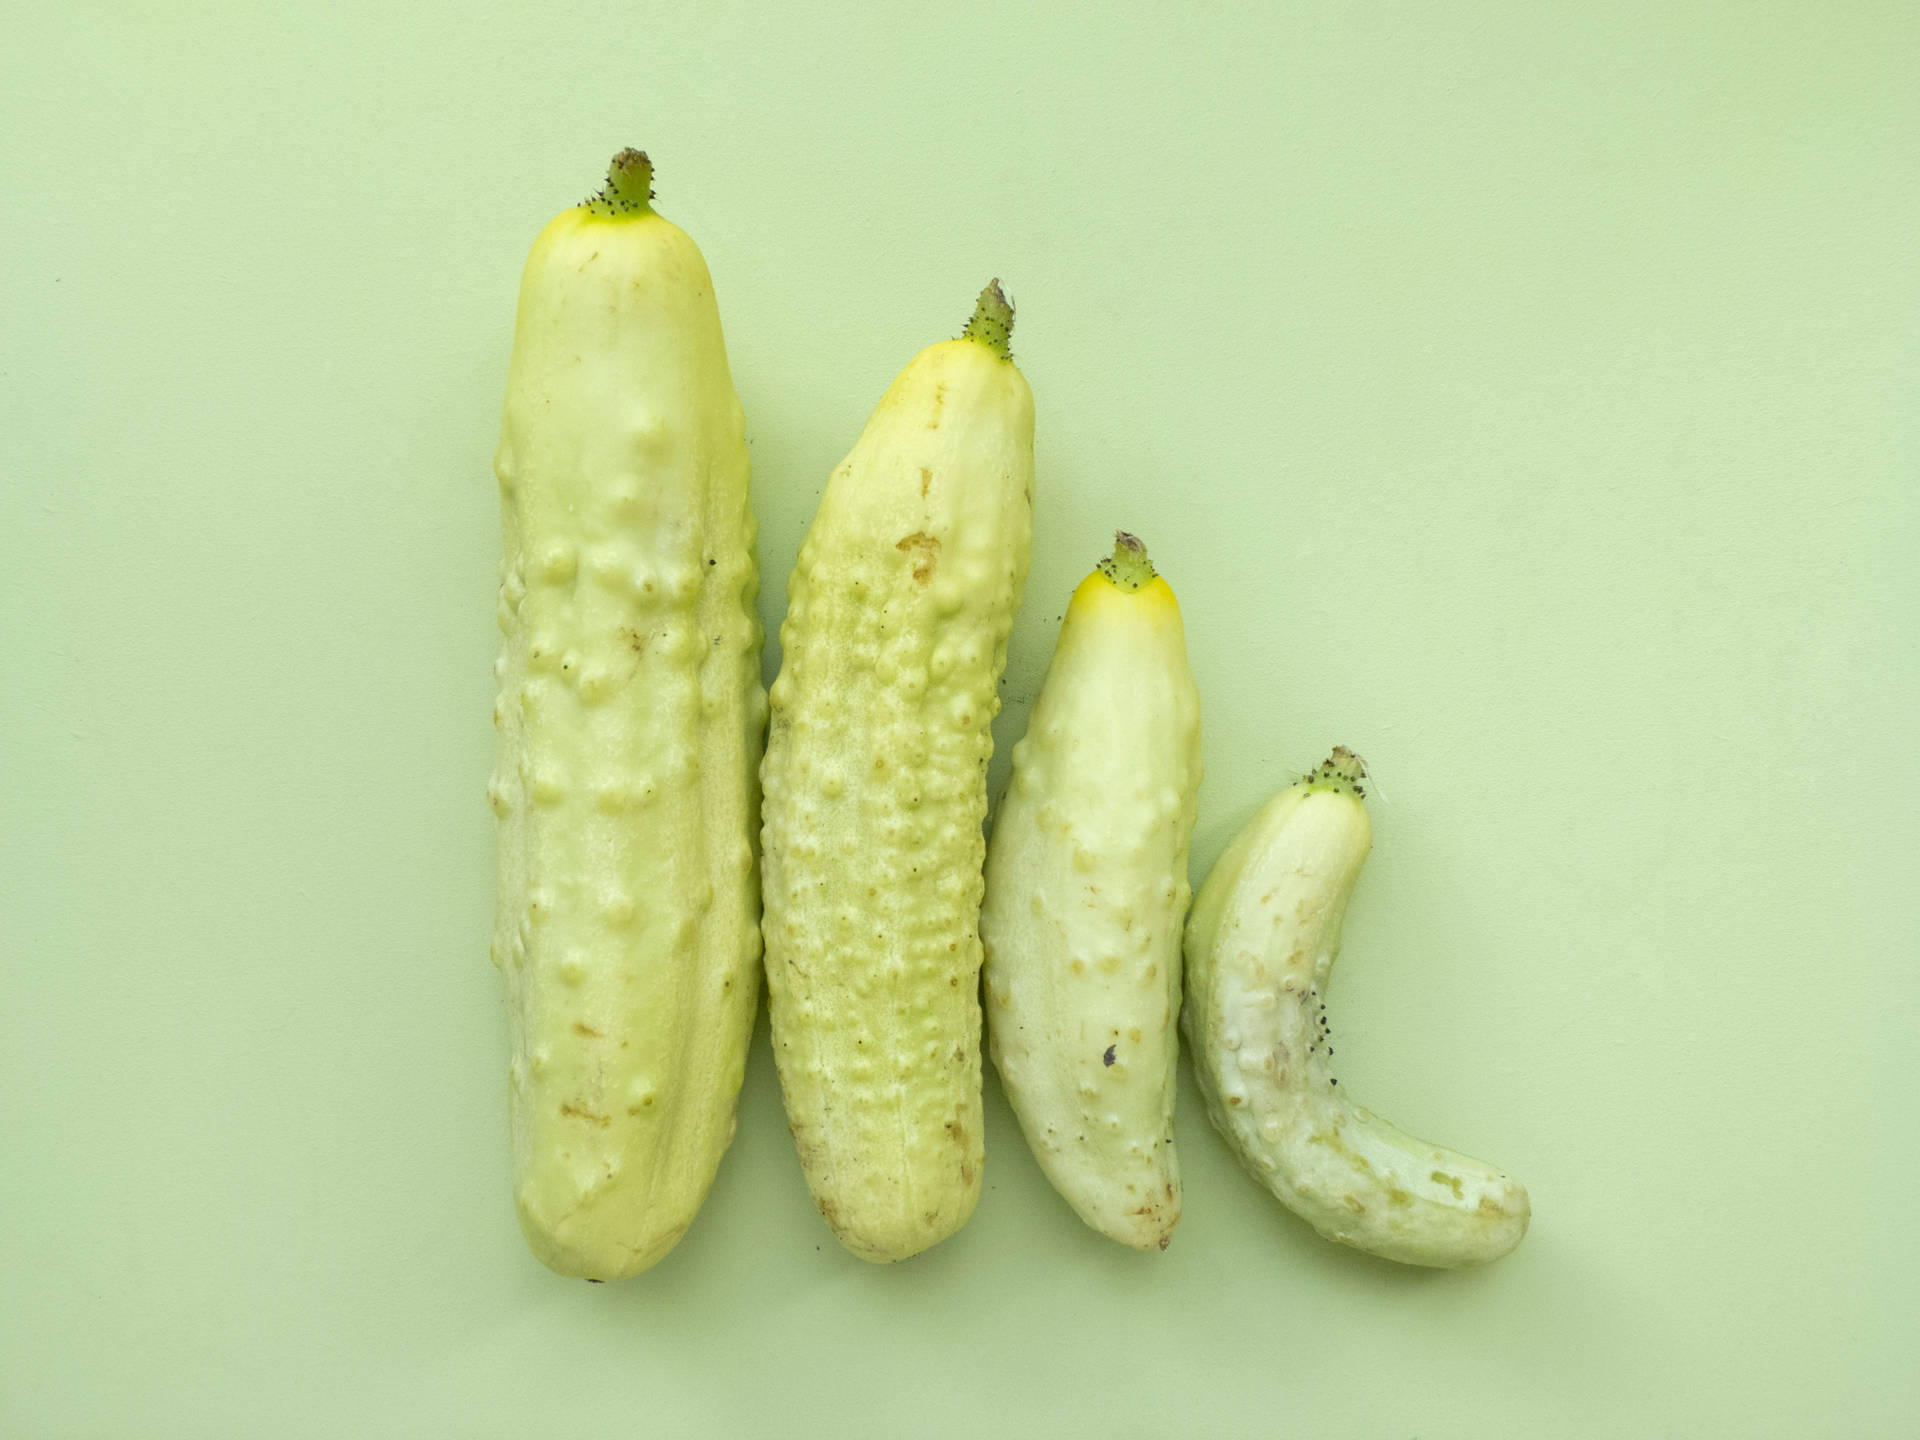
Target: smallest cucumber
[1086, 892]
[1260, 950]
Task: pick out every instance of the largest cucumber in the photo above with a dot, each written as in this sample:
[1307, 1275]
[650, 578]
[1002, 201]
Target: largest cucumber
[896, 632]
[630, 714]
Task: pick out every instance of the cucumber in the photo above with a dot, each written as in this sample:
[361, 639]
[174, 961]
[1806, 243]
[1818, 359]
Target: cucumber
[1086, 892]
[630, 714]
[1260, 949]
[896, 632]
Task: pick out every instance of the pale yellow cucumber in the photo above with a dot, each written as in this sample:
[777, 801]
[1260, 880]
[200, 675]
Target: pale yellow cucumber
[875, 775]
[1260, 945]
[1086, 893]
[630, 714]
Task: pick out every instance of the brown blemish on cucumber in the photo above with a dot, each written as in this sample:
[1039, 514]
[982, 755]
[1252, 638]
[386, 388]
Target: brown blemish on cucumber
[924, 551]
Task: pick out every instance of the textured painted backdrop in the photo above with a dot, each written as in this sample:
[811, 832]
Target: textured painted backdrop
[1522, 394]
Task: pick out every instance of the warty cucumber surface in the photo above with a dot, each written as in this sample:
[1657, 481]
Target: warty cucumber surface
[899, 609]
[630, 715]
[1086, 894]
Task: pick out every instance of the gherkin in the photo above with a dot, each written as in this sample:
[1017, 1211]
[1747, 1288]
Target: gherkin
[630, 716]
[896, 633]
[1086, 892]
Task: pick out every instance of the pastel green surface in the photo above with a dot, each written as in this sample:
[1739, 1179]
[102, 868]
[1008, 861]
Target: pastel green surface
[1523, 395]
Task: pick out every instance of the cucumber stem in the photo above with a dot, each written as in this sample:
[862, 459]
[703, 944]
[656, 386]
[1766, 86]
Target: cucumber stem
[1341, 772]
[1128, 568]
[629, 187]
[992, 322]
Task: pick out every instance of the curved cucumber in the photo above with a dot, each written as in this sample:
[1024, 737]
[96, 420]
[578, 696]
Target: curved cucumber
[630, 714]
[1260, 948]
[875, 776]
[1086, 892]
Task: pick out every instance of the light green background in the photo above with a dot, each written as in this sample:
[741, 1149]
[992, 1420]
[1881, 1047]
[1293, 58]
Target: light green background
[1522, 394]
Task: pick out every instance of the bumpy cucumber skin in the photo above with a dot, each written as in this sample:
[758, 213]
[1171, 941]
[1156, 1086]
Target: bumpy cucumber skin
[630, 715]
[896, 632]
[1260, 948]
[1086, 891]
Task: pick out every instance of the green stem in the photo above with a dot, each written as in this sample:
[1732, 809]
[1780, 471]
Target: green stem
[1340, 772]
[992, 322]
[1128, 568]
[629, 187]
